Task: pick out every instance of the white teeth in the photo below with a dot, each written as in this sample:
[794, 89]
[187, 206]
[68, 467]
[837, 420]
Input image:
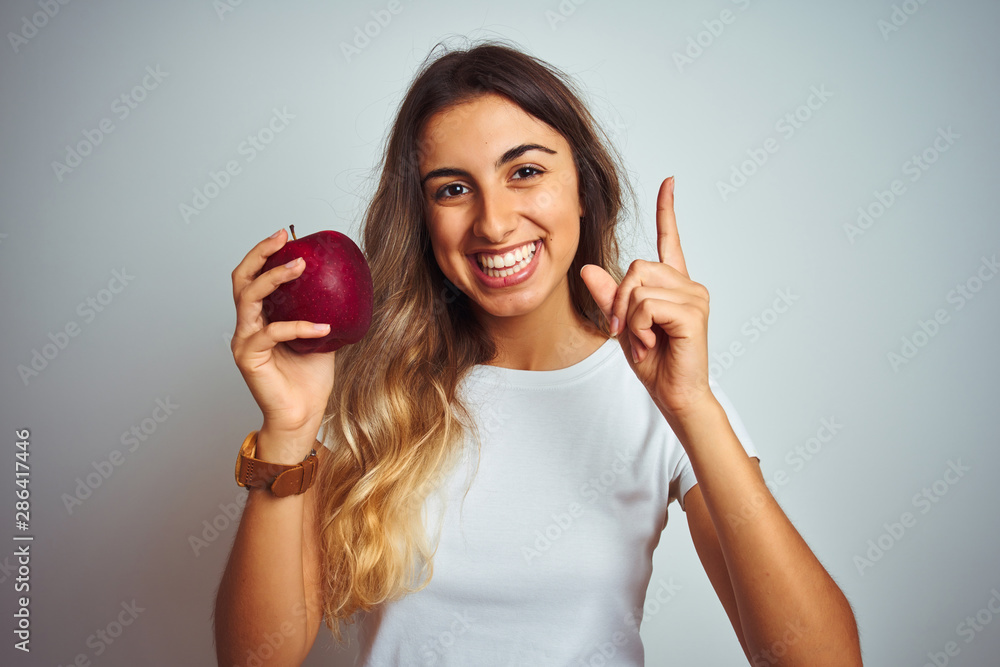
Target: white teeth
[509, 263]
[500, 273]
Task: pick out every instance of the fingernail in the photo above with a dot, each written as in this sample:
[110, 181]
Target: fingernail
[275, 235]
[635, 357]
[671, 186]
[614, 325]
[321, 327]
[293, 262]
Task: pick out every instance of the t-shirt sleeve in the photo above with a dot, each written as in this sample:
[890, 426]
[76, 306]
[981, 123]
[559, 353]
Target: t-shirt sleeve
[683, 478]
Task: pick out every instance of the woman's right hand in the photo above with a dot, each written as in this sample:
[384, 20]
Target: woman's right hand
[291, 389]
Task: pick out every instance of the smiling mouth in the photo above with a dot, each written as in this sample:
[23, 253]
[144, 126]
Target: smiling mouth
[509, 263]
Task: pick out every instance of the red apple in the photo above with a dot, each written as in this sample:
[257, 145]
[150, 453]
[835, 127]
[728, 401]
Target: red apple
[335, 288]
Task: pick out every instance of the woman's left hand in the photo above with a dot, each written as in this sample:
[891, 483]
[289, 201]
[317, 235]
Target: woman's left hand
[663, 315]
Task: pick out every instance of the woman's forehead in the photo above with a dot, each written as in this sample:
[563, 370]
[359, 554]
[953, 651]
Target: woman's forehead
[488, 122]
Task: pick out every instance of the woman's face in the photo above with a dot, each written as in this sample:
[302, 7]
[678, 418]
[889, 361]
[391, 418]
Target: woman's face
[502, 205]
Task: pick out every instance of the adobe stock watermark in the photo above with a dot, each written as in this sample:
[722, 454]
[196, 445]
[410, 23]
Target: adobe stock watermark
[449, 294]
[266, 650]
[800, 456]
[122, 107]
[434, 649]
[968, 629]
[104, 637]
[408, 165]
[786, 126]
[698, 43]
[552, 532]
[30, 26]
[592, 490]
[131, 440]
[248, 149]
[753, 329]
[364, 34]
[773, 654]
[750, 507]
[223, 7]
[213, 528]
[898, 17]
[562, 12]
[603, 652]
[88, 310]
[7, 569]
[926, 330]
[915, 167]
[924, 500]
[618, 126]
[573, 343]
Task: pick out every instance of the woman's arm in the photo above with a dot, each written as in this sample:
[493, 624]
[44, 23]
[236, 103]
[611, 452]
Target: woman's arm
[706, 544]
[267, 609]
[268, 604]
[784, 605]
[661, 318]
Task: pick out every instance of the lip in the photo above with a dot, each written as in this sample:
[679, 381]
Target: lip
[506, 281]
[503, 251]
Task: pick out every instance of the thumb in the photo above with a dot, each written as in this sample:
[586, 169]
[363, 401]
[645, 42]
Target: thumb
[602, 287]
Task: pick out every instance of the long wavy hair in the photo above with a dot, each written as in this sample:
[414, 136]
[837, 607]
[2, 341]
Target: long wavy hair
[395, 420]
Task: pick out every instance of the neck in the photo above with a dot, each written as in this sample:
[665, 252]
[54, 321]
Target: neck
[551, 337]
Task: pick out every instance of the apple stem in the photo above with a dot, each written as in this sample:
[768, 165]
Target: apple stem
[294, 237]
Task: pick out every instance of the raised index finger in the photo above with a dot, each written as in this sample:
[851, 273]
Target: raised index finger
[668, 242]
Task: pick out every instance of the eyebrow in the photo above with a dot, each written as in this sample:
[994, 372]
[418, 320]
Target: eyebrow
[508, 156]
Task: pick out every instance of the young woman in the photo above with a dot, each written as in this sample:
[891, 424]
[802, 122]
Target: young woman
[499, 451]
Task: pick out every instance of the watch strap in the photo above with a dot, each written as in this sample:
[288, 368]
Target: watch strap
[282, 479]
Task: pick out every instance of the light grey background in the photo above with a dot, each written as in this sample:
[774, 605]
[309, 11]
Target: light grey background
[165, 335]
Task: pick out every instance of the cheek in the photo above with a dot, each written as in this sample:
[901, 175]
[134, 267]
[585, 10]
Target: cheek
[559, 200]
[567, 239]
[440, 254]
[551, 202]
[444, 242]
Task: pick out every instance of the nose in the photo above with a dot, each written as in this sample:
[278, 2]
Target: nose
[496, 218]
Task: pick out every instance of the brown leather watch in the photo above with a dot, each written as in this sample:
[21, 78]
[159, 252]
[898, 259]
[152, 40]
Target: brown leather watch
[283, 480]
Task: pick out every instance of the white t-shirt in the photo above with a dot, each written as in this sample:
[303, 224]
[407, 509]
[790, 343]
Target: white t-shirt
[548, 558]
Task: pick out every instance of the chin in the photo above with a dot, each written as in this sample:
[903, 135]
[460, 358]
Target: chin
[510, 306]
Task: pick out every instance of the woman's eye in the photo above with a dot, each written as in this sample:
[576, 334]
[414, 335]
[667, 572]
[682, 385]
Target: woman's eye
[527, 172]
[454, 190]
[451, 190]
